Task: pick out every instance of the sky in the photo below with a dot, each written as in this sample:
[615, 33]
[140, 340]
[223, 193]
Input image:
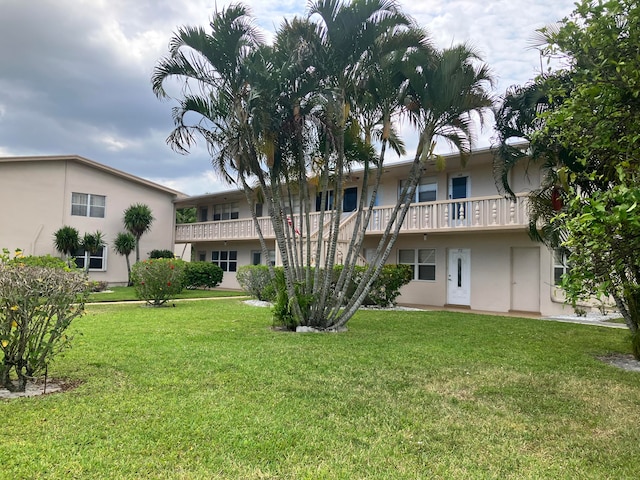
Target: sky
[75, 74]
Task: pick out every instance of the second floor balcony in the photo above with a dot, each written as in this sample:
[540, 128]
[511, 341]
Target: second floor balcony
[468, 214]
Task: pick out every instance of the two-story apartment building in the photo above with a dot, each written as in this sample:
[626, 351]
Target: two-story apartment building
[38, 195]
[468, 245]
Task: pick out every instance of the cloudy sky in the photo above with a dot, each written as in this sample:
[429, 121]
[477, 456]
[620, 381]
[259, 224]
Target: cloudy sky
[74, 74]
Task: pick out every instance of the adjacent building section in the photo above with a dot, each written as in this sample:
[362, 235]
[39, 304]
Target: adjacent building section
[38, 195]
[468, 245]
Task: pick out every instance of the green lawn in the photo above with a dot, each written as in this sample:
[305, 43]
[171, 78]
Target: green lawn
[123, 294]
[207, 390]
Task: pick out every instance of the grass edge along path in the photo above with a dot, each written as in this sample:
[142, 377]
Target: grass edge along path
[209, 390]
[125, 294]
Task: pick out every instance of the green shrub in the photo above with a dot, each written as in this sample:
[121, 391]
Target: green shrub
[96, 286]
[386, 288]
[256, 281]
[37, 304]
[32, 260]
[40, 261]
[161, 254]
[282, 315]
[157, 281]
[202, 275]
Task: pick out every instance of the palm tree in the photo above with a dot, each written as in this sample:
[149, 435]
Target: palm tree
[67, 241]
[124, 244]
[137, 220]
[311, 102]
[92, 243]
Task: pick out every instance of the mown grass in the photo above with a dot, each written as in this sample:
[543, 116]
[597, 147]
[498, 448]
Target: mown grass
[208, 390]
[124, 294]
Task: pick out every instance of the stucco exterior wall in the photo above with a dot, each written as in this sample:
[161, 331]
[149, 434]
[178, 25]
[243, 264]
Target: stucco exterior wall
[35, 200]
[491, 271]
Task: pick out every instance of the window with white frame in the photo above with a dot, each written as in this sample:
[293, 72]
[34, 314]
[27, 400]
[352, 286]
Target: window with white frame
[97, 261]
[560, 266]
[226, 211]
[88, 205]
[256, 257]
[227, 260]
[422, 261]
[426, 190]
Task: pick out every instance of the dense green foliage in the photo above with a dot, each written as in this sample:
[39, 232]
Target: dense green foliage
[67, 241]
[161, 254]
[184, 393]
[37, 305]
[34, 260]
[186, 215]
[583, 122]
[386, 287]
[202, 275]
[157, 281]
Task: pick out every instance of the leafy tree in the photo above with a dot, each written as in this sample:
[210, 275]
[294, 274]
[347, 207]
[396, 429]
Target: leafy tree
[312, 105]
[124, 244]
[137, 220]
[186, 215]
[586, 127]
[67, 241]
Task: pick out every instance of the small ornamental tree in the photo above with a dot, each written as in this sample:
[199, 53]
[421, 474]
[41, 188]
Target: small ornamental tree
[157, 281]
[137, 220]
[67, 241]
[124, 244]
[37, 305]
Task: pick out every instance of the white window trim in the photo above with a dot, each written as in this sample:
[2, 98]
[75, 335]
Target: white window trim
[426, 181]
[87, 258]
[559, 263]
[89, 205]
[416, 264]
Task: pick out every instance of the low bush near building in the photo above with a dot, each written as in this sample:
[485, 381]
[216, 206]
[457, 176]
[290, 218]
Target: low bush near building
[37, 304]
[256, 281]
[386, 288]
[161, 254]
[157, 281]
[32, 260]
[202, 275]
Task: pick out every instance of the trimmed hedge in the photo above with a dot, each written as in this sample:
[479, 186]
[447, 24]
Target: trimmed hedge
[202, 275]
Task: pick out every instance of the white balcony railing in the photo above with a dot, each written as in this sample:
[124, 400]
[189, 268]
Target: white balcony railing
[241, 229]
[485, 213]
[479, 213]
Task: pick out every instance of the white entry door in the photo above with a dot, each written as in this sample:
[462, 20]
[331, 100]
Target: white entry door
[459, 277]
[525, 279]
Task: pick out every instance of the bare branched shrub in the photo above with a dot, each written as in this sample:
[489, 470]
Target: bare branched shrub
[37, 305]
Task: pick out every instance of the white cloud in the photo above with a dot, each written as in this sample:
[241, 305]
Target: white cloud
[205, 182]
[75, 74]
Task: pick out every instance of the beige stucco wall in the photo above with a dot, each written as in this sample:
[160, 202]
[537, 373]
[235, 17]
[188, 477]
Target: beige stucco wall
[35, 200]
[491, 271]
